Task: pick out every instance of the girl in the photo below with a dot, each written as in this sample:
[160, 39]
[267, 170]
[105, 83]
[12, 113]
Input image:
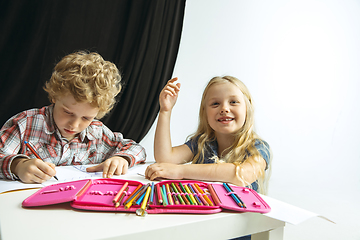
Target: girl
[224, 148]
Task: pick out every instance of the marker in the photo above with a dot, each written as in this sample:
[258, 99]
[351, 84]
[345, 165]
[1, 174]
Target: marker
[35, 153]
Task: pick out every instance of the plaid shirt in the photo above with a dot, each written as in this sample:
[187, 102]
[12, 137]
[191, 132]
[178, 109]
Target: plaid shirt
[36, 126]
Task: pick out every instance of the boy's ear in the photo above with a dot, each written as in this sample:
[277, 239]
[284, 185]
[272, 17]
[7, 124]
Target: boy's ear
[53, 100]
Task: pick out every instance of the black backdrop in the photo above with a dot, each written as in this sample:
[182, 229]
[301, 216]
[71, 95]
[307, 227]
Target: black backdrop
[140, 36]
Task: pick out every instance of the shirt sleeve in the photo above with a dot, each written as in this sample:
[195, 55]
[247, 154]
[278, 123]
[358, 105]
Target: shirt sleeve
[264, 149]
[10, 144]
[116, 145]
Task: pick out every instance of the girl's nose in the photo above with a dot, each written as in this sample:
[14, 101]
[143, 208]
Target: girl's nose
[224, 110]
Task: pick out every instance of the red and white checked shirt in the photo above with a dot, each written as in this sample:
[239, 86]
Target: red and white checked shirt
[36, 126]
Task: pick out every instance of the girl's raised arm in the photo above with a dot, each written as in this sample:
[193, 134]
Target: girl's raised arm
[163, 150]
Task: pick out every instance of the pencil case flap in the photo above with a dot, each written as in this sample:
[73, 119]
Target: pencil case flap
[55, 193]
[252, 200]
[100, 195]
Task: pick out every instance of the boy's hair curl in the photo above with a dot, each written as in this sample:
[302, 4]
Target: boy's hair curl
[88, 78]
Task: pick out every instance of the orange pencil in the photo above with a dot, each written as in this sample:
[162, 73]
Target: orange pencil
[171, 202]
[129, 198]
[121, 197]
[116, 198]
[202, 193]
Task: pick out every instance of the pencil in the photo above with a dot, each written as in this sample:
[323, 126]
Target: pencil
[163, 193]
[173, 193]
[195, 195]
[142, 191]
[121, 197]
[236, 195]
[171, 202]
[178, 194]
[214, 195]
[183, 195]
[186, 194]
[36, 154]
[158, 192]
[236, 200]
[202, 193]
[151, 201]
[133, 193]
[190, 195]
[142, 210]
[116, 198]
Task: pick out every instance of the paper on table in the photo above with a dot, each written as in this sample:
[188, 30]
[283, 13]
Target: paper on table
[288, 213]
[67, 174]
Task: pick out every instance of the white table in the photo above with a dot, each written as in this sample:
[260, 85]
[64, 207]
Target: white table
[65, 223]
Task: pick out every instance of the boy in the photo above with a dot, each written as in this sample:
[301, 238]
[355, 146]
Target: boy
[81, 89]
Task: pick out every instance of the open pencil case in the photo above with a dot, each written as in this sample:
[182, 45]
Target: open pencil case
[197, 197]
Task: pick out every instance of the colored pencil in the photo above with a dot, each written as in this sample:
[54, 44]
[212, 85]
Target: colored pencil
[116, 198]
[186, 194]
[140, 198]
[142, 191]
[171, 202]
[214, 195]
[121, 197]
[205, 197]
[178, 194]
[173, 193]
[200, 195]
[35, 153]
[236, 200]
[151, 201]
[186, 200]
[142, 210]
[190, 195]
[195, 195]
[133, 193]
[163, 194]
[236, 195]
[158, 192]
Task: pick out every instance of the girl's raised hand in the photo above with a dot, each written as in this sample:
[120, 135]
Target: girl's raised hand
[169, 95]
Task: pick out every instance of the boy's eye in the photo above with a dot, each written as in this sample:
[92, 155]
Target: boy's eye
[67, 112]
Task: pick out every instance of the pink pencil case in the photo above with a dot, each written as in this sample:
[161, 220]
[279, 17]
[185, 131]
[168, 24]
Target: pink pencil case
[98, 195]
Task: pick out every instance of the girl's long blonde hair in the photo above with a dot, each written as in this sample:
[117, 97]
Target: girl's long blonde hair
[244, 143]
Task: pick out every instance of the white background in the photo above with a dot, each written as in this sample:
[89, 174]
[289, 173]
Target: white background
[301, 63]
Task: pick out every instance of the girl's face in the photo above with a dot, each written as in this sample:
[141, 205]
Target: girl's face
[225, 108]
[72, 117]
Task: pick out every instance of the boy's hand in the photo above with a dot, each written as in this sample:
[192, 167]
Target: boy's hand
[112, 166]
[33, 170]
[164, 170]
[169, 95]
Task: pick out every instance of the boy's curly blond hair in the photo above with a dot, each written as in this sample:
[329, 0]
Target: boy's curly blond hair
[88, 78]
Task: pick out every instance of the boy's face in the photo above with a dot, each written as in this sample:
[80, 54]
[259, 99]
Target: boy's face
[72, 117]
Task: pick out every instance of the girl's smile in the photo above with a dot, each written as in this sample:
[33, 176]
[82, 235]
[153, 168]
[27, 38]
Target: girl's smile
[225, 108]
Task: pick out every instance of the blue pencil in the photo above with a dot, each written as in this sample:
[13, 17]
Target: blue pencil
[163, 191]
[237, 196]
[152, 193]
[140, 199]
[232, 195]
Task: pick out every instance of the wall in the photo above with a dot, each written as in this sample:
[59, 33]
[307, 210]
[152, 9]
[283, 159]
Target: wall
[300, 60]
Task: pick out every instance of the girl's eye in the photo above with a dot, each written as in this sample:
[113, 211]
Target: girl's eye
[234, 102]
[214, 104]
